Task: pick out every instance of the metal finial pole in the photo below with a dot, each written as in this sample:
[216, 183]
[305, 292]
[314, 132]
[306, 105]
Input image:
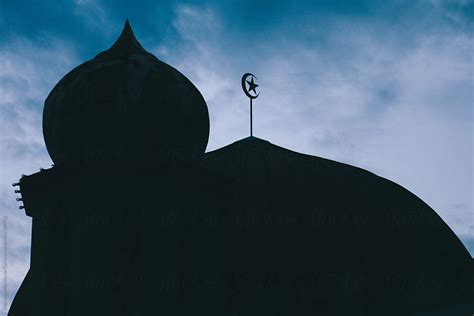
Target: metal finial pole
[251, 123]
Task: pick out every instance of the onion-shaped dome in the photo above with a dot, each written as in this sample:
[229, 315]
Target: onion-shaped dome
[125, 106]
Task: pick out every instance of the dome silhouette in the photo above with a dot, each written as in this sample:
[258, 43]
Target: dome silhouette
[125, 106]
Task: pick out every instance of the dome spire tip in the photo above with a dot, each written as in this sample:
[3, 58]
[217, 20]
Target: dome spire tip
[126, 43]
[127, 26]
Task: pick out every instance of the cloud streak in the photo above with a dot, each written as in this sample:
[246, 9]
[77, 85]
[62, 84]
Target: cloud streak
[27, 73]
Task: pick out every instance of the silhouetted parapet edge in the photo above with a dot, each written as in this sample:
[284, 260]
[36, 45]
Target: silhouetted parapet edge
[37, 190]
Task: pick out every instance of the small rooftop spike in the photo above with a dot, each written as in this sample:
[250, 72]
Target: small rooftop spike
[126, 44]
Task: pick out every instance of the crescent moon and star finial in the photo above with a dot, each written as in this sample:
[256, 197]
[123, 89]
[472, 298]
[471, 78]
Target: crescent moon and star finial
[249, 87]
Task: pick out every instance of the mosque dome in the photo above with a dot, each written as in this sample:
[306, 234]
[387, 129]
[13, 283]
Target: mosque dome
[125, 106]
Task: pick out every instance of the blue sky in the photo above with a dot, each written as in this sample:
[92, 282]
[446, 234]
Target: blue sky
[383, 85]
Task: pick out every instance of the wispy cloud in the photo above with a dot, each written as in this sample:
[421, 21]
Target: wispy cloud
[28, 71]
[93, 14]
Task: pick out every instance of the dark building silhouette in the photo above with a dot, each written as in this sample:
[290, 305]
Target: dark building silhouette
[136, 219]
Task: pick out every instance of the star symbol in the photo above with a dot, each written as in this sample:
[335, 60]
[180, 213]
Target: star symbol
[252, 85]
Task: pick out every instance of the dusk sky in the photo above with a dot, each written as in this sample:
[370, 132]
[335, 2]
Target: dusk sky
[382, 85]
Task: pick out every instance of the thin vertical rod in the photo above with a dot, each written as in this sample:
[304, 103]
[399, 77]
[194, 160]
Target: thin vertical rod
[251, 123]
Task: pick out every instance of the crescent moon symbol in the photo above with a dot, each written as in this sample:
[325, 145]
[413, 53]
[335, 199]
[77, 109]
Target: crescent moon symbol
[244, 77]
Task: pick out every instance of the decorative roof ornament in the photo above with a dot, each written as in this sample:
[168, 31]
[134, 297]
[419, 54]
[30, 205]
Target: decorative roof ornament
[247, 90]
[126, 44]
